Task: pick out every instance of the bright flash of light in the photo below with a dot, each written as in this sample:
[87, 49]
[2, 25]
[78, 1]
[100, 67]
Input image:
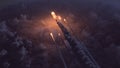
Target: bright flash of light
[64, 20]
[59, 18]
[56, 17]
[51, 34]
[53, 15]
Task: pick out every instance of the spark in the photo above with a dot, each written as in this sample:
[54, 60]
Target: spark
[51, 34]
[64, 20]
[54, 15]
[59, 18]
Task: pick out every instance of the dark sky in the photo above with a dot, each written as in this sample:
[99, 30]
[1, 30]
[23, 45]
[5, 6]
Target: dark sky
[97, 15]
[115, 3]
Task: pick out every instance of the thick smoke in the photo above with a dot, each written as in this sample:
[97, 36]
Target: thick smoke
[94, 22]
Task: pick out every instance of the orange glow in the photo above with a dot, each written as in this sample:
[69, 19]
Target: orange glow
[64, 20]
[59, 34]
[59, 18]
[53, 15]
[51, 34]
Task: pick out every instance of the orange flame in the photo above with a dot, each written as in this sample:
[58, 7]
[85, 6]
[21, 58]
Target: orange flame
[64, 20]
[53, 15]
[59, 18]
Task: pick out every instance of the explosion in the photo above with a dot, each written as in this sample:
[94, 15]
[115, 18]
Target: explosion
[56, 17]
[53, 15]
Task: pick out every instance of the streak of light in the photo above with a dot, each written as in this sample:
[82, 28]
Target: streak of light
[51, 34]
[54, 15]
[59, 51]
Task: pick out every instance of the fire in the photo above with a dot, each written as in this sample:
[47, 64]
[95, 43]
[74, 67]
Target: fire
[51, 34]
[54, 15]
[64, 20]
[59, 18]
[59, 34]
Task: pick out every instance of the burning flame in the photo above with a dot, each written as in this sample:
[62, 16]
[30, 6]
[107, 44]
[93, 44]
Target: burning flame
[59, 34]
[59, 18]
[64, 20]
[54, 15]
[51, 34]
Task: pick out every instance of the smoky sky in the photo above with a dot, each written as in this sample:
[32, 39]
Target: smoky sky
[95, 22]
[112, 2]
[82, 14]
